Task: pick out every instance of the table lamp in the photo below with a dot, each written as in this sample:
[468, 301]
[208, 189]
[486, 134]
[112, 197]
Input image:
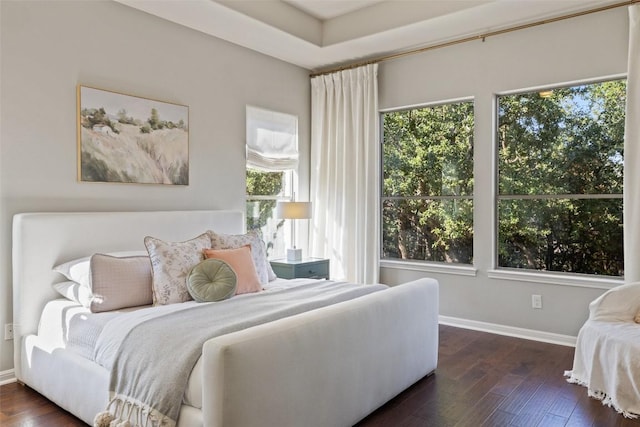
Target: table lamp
[293, 210]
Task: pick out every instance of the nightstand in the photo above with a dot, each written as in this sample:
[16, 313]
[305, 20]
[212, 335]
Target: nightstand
[313, 268]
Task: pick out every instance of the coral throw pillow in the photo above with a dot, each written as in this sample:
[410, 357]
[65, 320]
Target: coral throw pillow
[240, 261]
[258, 250]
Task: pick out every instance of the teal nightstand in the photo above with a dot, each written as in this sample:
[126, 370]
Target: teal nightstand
[312, 268]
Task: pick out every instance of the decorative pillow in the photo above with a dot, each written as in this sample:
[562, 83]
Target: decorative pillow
[79, 271]
[258, 250]
[239, 259]
[75, 292]
[170, 265]
[120, 282]
[211, 280]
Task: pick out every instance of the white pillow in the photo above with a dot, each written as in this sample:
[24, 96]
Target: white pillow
[76, 270]
[170, 265]
[258, 250]
[75, 292]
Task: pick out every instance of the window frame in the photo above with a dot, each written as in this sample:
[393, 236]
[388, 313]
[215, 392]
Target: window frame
[443, 267]
[584, 280]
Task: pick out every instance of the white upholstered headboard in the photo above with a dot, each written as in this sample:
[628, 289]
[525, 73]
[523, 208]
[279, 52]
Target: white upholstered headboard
[44, 240]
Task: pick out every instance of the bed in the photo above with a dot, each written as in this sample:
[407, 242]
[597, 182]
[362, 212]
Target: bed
[331, 366]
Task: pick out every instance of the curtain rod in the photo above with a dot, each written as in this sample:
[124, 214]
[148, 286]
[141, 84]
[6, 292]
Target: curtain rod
[472, 38]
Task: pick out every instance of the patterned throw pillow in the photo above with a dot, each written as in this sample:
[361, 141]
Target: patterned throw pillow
[258, 250]
[171, 262]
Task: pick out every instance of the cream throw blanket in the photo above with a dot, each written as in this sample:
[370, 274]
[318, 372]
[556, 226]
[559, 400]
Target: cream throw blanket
[607, 357]
[150, 353]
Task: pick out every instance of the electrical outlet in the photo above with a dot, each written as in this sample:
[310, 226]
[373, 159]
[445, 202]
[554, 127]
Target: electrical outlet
[536, 301]
[8, 331]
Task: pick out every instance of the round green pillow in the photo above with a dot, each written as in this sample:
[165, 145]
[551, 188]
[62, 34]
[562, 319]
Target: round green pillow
[211, 280]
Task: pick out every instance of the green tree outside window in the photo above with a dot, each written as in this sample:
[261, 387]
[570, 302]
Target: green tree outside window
[427, 188]
[560, 179]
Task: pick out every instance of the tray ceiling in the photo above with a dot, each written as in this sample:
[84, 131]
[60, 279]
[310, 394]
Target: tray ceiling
[318, 34]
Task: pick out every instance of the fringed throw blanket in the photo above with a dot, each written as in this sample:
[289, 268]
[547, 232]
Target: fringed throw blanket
[150, 353]
[607, 362]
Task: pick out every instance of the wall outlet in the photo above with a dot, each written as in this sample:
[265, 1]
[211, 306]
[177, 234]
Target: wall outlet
[8, 331]
[536, 301]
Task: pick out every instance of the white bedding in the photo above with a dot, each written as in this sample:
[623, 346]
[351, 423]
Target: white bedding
[67, 324]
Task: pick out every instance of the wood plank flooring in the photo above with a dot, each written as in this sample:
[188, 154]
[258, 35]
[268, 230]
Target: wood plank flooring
[482, 380]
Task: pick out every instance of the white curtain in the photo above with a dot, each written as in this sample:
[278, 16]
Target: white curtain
[632, 153]
[345, 163]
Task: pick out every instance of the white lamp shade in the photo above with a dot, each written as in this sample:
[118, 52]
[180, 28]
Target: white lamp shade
[293, 210]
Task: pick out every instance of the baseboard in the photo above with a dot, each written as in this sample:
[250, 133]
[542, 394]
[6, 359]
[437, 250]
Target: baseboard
[510, 331]
[7, 377]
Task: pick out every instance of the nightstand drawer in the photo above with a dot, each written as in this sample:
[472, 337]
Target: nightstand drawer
[319, 270]
[315, 268]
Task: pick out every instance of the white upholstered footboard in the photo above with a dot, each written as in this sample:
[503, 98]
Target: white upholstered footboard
[329, 367]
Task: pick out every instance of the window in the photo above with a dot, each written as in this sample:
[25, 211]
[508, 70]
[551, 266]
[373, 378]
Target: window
[261, 205]
[272, 157]
[427, 188]
[560, 178]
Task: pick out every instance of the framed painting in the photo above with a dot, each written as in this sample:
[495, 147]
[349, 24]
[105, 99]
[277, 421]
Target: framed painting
[124, 138]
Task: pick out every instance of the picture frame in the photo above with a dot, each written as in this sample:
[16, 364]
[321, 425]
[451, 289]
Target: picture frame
[129, 139]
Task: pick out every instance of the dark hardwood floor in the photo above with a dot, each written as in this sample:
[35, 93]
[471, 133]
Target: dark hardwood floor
[482, 380]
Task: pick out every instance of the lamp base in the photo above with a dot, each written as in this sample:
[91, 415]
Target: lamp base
[294, 254]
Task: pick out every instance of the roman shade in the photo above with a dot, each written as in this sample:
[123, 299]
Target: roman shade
[272, 140]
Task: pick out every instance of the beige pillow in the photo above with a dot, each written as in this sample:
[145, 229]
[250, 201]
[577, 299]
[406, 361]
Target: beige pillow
[170, 265]
[258, 250]
[120, 282]
[239, 259]
[79, 271]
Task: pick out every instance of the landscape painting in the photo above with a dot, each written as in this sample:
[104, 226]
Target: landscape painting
[123, 138]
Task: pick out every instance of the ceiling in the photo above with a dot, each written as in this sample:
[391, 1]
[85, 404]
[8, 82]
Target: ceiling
[320, 34]
[327, 9]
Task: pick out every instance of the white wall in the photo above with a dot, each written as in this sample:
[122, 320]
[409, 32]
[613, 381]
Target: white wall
[581, 48]
[47, 48]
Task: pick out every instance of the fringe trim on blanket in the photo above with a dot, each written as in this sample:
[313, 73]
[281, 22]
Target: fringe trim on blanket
[600, 395]
[123, 411]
